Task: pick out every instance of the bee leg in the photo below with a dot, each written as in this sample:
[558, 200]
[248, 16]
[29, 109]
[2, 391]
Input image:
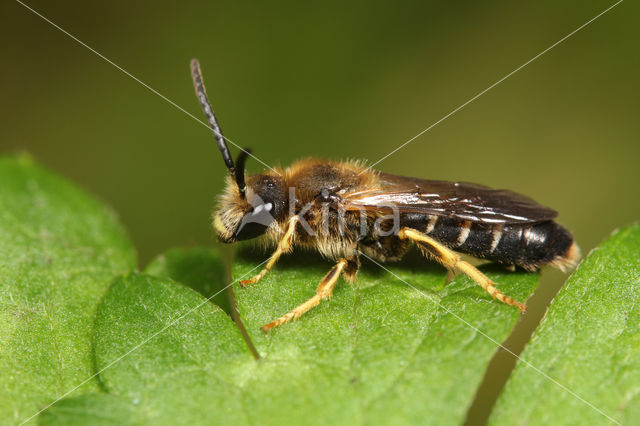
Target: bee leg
[449, 259]
[285, 245]
[324, 290]
[448, 279]
[451, 274]
[350, 271]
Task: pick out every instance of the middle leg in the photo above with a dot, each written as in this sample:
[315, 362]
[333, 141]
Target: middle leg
[324, 290]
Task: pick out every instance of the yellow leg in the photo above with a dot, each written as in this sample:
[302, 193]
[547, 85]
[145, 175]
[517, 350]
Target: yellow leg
[284, 246]
[324, 290]
[449, 259]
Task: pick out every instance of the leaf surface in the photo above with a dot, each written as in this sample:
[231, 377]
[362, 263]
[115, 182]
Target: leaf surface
[589, 343]
[387, 349]
[166, 350]
[59, 251]
[378, 352]
[200, 268]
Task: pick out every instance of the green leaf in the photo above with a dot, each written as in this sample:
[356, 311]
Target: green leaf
[183, 354]
[197, 267]
[589, 342]
[94, 409]
[59, 250]
[378, 352]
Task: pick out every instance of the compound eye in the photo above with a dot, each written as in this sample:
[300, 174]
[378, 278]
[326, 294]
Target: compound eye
[255, 223]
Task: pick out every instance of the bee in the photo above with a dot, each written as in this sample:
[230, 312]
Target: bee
[344, 210]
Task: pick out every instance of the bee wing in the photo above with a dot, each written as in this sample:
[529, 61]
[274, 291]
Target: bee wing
[461, 200]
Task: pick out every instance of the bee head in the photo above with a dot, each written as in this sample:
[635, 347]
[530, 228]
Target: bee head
[247, 208]
[246, 215]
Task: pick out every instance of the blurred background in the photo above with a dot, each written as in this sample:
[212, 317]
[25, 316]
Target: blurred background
[348, 80]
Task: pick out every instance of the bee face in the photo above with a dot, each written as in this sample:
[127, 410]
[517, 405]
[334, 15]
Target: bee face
[242, 218]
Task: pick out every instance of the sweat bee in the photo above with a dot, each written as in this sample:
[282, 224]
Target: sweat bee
[343, 210]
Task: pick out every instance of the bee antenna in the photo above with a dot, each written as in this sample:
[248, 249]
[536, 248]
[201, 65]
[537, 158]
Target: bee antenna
[239, 172]
[201, 93]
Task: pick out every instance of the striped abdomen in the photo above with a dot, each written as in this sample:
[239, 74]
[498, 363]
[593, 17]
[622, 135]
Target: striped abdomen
[528, 245]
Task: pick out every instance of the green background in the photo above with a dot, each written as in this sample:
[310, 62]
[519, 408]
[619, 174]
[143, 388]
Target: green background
[333, 80]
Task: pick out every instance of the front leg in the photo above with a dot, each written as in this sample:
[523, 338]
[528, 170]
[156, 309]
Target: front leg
[285, 245]
[347, 267]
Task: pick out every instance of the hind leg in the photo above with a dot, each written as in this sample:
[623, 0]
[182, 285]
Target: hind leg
[450, 259]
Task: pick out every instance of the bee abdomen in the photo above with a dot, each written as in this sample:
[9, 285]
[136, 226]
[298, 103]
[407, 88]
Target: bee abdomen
[533, 245]
[528, 245]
